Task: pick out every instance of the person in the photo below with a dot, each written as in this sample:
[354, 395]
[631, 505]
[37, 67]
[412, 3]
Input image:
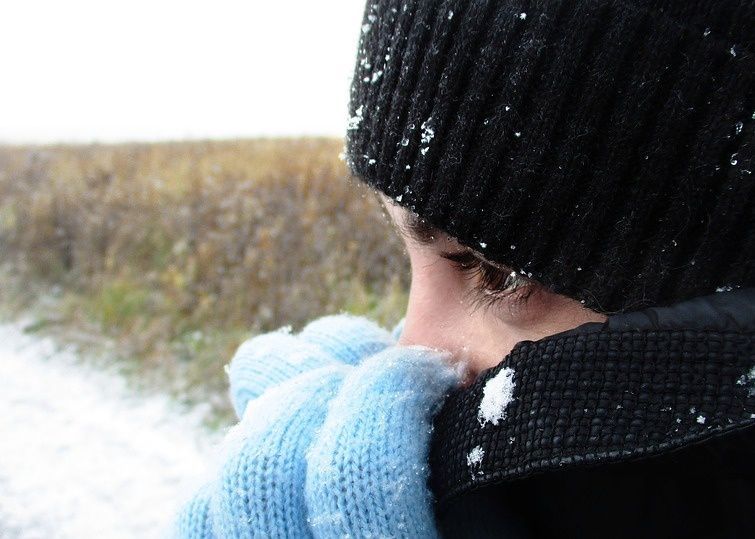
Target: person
[572, 180]
[592, 162]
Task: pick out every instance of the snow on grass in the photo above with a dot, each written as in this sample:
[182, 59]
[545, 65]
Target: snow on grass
[82, 456]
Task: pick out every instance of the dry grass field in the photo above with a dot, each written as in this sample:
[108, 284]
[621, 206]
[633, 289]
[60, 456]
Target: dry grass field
[170, 254]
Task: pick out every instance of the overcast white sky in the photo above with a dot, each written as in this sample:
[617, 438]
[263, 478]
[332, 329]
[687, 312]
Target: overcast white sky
[113, 70]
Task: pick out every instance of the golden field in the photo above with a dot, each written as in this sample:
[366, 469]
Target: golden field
[168, 255]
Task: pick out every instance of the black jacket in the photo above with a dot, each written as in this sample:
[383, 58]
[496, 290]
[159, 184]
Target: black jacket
[639, 427]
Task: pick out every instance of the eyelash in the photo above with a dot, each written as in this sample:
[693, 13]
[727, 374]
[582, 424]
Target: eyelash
[493, 283]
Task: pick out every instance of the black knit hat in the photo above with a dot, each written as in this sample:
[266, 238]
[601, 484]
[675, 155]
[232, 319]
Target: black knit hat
[601, 147]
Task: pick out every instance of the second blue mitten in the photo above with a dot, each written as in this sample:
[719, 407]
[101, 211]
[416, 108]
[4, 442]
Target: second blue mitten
[271, 358]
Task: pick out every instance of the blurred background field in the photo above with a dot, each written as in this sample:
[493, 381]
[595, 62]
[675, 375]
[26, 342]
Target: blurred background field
[164, 257]
[170, 186]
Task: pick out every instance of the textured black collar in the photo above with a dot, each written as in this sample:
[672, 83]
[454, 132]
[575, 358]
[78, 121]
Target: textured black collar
[640, 384]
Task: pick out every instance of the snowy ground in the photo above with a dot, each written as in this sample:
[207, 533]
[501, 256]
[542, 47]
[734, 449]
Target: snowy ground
[80, 455]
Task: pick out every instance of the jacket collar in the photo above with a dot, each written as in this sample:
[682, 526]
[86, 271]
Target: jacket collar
[639, 384]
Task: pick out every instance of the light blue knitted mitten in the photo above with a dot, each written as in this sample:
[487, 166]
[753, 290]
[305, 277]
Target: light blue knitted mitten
[271, 358]
[339, 448]
[367, 469]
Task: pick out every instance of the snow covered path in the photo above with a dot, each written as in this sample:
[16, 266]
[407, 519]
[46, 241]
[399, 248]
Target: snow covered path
[80, 455]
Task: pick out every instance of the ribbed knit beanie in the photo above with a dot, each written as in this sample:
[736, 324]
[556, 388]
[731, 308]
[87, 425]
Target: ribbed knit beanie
[600, 147]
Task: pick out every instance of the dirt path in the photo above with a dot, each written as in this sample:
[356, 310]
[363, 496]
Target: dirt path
[82, 456]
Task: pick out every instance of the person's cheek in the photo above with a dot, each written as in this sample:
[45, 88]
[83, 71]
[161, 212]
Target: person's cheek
[435, 312]
[439, 315]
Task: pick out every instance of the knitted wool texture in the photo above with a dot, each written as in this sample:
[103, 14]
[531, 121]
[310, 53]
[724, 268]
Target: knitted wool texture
[338, 449]
[600, 147]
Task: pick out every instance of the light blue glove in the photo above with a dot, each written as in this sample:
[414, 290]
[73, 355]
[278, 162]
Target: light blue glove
[340, 448]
